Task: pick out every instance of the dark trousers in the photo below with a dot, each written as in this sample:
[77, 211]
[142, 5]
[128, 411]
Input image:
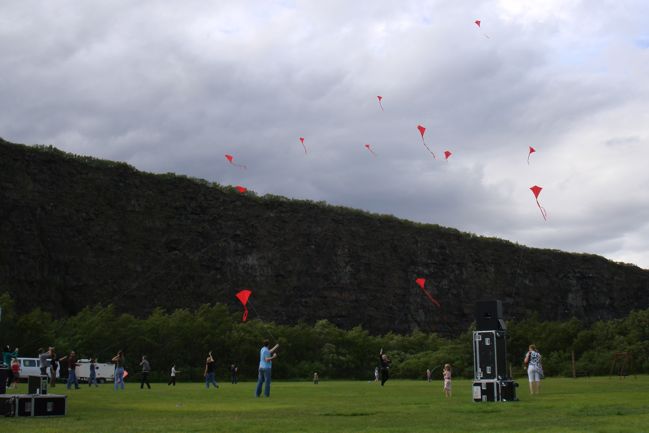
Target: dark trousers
[145, 379]
[172, 381]
[385, 375]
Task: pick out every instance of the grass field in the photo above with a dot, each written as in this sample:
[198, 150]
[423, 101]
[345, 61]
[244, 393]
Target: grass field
[565, 405]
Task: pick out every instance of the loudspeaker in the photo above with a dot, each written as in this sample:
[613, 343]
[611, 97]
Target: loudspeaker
[7, 405]
[4, 375]
[50, 405]
[37, 384]
[489, 315]
[508, 390]
[24, 405]
[486, 390]
[494, 390]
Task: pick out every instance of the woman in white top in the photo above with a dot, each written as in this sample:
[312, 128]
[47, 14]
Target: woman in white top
[534, 369]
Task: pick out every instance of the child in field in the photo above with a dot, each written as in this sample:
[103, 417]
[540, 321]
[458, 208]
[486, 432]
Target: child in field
[447, 380]
[172, 377]
[316, 378]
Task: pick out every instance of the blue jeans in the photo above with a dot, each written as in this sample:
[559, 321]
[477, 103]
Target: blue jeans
[92, 379]
[209, 379]
[119, 377]
[72, 379]
[264, 376]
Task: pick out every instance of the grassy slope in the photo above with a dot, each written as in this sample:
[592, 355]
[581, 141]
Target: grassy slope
[566, 405]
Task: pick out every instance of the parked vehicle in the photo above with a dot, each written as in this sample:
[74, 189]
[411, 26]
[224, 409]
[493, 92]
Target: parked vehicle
[31, 367]
[105, 372]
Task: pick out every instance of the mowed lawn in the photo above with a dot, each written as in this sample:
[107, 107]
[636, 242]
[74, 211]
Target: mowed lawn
[565, 405]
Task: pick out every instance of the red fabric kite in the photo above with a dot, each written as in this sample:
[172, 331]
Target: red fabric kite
[243, 296]
[532, 150]
[536, 190]
[421, 282]
[125, 375]
[241, 189]
[368, 147]
[230, 159]
[477, 23]
[302, 141]
[422, 131]
[381, 105]
[447, 154]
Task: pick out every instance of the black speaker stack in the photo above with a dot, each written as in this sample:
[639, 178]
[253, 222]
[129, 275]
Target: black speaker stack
[37, 403]
[491, 379]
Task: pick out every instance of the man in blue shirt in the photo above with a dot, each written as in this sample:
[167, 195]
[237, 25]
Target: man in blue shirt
[266, 357]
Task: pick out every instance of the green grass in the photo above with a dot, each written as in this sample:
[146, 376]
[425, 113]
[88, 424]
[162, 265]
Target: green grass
[565, 405]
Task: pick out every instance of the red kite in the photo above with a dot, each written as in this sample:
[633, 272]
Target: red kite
[536, 190]
[368, 147]
[243, 296]
[125, 375]
[447, 154]
[532, 150]
[381, 105]
[302, 140]
[230, 159]
[421, 282]
[477, 23]
[422, 131]
[241, 189]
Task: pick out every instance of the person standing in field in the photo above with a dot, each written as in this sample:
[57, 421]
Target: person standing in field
[429, 375]
[316, 378]
[44, 360]
[71, 362]
[119, 360]
[15, 373]
[54, 364]
[448, 390]
[234, 372]
[146, 369]
[92, 377]
[376, 374]
[534, 369]
[209, 372]
[384, 362]
[266, 357]
[172, 375]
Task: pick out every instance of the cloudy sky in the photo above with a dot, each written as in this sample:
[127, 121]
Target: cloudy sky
[173, 86]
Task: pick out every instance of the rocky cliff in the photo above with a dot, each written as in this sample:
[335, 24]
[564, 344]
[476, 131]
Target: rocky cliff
[78, 231]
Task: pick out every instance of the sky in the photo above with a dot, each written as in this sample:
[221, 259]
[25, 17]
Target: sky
[174, 86]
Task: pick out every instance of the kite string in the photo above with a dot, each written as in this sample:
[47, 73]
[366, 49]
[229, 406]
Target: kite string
[431, 152]
[262, 321]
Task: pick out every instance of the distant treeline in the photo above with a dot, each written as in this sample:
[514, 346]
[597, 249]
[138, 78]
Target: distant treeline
[184, 337]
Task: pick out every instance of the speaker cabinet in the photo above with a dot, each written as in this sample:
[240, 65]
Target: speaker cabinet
[489, 315]
[37, 385]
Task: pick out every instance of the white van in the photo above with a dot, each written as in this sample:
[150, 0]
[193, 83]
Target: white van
[105, 372]
[31, 367]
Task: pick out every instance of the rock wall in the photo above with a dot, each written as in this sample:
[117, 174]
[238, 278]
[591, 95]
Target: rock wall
[78, 231]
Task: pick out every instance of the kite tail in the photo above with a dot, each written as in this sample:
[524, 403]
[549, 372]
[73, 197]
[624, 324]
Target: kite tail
[381, 105]
[528, 159]
[428, 148]
[433, 300]
[544, 213]
[305, 152]
[245, 314]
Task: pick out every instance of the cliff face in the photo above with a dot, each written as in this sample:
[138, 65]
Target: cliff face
[78, 231]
